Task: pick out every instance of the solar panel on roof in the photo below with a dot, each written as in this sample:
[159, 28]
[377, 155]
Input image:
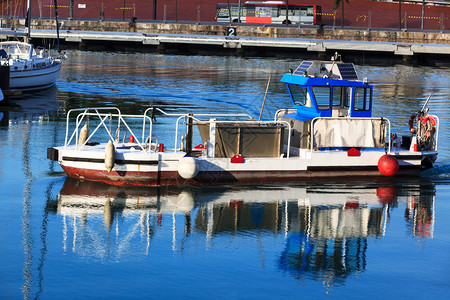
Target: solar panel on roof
[304, 66]
[347, 71]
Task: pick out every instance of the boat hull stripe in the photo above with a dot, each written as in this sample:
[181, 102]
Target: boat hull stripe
[117, 161]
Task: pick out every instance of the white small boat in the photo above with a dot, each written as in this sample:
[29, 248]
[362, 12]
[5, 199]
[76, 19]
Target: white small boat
[30, 70]
[329, 132]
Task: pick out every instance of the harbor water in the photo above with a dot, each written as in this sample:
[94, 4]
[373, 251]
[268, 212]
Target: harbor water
[63, 238]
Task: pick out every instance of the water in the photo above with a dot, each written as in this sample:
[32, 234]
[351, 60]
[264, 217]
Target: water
[62, 238]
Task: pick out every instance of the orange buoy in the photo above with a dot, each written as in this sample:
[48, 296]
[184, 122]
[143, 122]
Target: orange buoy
[388, 165]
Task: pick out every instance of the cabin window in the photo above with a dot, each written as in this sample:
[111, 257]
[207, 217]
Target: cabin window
[341, 93]
[299, 95]
[362, 98]
[322, 95]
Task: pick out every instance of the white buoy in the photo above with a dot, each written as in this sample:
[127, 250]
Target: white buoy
[188, 167]
[109, 156]
[84, 133]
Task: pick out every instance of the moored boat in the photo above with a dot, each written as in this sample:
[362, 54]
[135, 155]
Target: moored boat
[29, 68]
[329, 132]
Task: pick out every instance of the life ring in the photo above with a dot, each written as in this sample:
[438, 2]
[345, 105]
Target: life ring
[411, 122]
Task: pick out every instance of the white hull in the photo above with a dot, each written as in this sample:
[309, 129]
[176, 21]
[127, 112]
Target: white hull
[34, 78]
[29, 69]
[143, 169]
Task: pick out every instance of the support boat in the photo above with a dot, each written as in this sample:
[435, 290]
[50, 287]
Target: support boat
[329, 132]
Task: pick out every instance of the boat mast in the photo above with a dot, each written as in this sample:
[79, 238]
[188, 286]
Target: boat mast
[57, 24]
[28, 22]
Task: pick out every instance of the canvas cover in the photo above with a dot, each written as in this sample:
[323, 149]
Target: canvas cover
[349, 132]
[248, 140]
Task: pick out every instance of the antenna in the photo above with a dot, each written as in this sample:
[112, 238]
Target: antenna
[425, 105]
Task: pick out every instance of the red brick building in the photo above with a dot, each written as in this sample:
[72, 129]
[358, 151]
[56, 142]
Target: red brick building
[360, 13]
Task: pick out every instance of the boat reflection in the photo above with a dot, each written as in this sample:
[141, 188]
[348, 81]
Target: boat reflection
[325, 228]
[30, 107]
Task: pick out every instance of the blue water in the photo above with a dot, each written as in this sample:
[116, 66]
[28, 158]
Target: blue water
[62, 238]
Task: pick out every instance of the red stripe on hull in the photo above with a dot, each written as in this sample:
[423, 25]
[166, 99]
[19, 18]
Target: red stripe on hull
[211, 178]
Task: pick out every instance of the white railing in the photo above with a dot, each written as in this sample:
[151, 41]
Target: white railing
[120, 119]
[113, 114]
[187, 115]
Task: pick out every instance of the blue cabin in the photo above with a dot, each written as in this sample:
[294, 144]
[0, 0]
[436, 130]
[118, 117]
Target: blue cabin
[328, 89]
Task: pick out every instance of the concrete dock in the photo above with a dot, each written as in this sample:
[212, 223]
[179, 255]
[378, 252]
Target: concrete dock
[428, 47]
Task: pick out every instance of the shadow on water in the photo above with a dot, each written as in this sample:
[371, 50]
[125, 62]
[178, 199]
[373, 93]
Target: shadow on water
[325, 228]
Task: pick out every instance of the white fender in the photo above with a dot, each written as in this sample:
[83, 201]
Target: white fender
[84, 133]
[109, 156]
[188, 167]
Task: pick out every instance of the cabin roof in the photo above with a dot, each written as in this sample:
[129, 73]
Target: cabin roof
[320, 81]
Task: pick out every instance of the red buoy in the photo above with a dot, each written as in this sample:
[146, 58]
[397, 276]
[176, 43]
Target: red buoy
[388, 165]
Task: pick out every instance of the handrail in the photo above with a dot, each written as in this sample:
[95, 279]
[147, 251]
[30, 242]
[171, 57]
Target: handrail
[77, 124]
[283, 109]
[186, 115]
[103, 117]
[203, 115]
[236, 122]
[437, 132]
[181, 116]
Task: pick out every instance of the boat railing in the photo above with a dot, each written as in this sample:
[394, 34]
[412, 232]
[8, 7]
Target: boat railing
[212, 116]
[284, 111]
[193, 118]
[232, 122]
[436, 134]
[103, 117]
[335, 132]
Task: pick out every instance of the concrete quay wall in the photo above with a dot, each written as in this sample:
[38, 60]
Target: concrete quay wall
[360, 45]
[245, 31]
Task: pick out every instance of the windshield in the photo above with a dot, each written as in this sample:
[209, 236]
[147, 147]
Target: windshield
[15, 48]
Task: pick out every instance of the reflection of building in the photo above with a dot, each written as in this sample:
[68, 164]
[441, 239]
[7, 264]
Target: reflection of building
[325, 230]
